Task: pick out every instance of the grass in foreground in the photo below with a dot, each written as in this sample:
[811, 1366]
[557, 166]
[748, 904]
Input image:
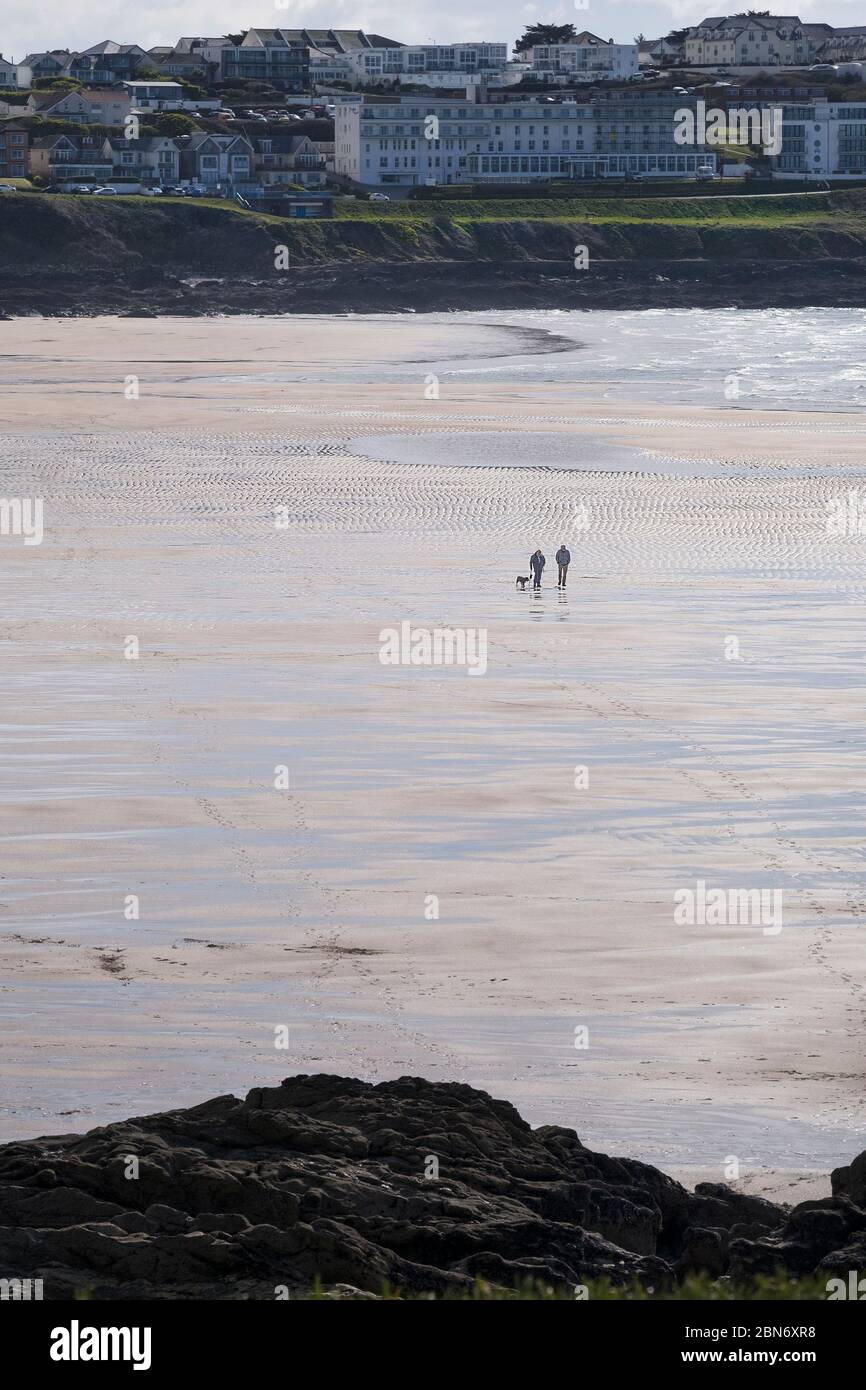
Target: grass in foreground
[698, 1288]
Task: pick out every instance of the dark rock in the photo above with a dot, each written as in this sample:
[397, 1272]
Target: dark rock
[851, 1181]
[704, 1251]
[325, 1177]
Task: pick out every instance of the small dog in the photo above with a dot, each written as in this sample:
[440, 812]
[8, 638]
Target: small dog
[522, 580]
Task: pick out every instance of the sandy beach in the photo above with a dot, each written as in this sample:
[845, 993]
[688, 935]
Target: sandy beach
[253, 501]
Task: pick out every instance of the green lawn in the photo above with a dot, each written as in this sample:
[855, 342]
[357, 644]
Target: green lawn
[776, 211]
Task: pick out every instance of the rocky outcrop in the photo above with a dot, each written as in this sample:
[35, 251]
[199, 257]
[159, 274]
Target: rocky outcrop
[418, 1185]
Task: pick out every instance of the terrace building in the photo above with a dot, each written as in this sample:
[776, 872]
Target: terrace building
[758, 41]
[411, 141]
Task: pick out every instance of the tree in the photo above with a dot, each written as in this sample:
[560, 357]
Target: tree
[545, 33]
[169, 123]
[57, 84]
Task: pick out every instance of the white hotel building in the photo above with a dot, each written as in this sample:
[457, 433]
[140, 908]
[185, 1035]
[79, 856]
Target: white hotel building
[416, 140]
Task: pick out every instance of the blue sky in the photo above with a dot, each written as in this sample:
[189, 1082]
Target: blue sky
[26, 25]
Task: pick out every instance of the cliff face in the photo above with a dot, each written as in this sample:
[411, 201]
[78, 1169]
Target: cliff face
[422, 1186]
[83, 255]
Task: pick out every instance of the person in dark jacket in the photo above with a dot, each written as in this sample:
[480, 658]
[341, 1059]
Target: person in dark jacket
[563, 559]
[536, 564]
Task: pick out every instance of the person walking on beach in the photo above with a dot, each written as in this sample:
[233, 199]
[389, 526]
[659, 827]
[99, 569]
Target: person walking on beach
[536, 564]
[563, 559]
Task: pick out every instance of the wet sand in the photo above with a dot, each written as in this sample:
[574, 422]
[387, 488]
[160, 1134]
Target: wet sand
[310, 907]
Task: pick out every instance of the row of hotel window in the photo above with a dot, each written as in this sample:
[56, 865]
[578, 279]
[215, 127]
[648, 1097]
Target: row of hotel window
[464, 145]
[548, 164]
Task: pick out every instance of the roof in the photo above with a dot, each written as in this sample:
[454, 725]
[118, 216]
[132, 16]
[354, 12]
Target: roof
[187, 45]
[146, 142]
[108, 48]
[738, 22]
[43, 100]
[223, 142]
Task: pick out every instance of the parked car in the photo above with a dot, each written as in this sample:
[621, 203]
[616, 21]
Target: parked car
[8, 188]
[228, 113]
[105, 192]
[81, 188]
[704, 173]
[822, 67]
[195, 190]
[379, 198]
[635, 178]
[174, 191]
[680, 91]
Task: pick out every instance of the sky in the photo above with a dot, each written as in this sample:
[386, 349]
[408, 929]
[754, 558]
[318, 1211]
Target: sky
[30, 25]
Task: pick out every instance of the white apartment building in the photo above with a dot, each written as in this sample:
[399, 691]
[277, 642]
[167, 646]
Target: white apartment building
[417, 62]
[822, 139]
[412, 141]
[588, 59]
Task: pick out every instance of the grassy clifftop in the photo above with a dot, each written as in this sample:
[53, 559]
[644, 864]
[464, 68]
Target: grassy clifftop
[92, 252]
